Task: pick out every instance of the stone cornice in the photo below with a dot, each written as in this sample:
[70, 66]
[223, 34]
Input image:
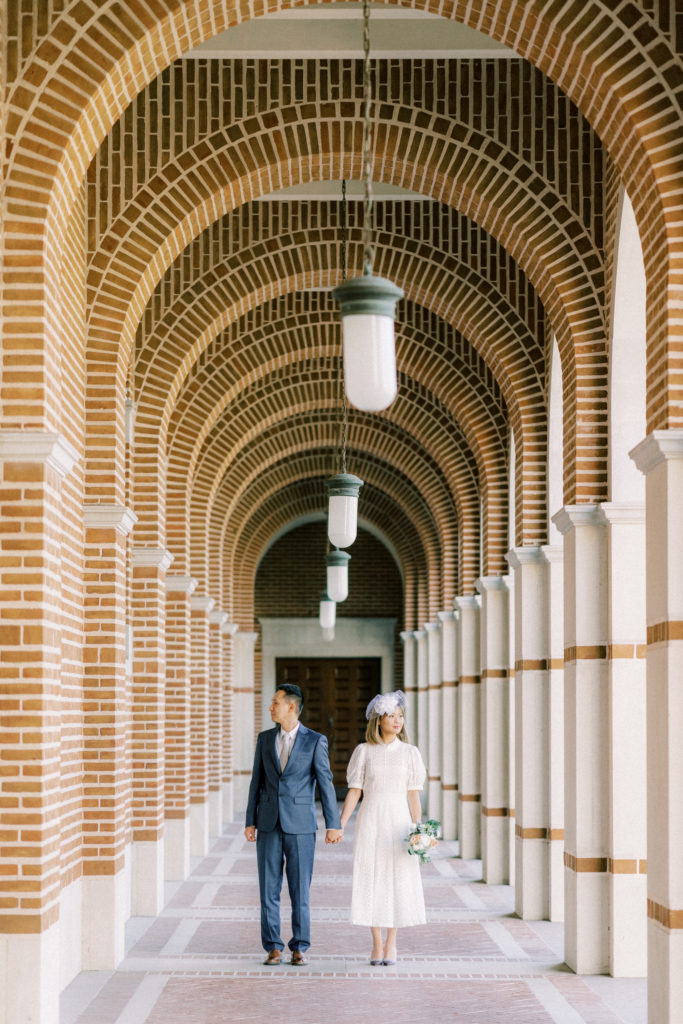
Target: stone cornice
[553, 552]
[201, 603]
[622, 512]
[41, 446]
[659, 446]
[407, 635]
[217, 617]
[431, 627]
[447, 616]
[159, 557]
[229, 628]
[516, 557]
[181, 584]
[468, 603]
[489, 583]
[571, 516]
[108, 517]
[419, 634]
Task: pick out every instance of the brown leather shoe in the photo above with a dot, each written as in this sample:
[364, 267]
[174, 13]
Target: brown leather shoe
[273, 959]
[298, 959]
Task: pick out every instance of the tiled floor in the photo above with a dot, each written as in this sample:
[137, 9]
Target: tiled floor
[200, 961]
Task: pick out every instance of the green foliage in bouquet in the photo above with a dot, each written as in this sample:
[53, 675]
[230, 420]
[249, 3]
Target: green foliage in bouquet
[422, 840]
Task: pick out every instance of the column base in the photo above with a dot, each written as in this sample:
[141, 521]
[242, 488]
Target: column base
[494, 849]
[29, 977]
[70, 932]
[531, 879]
[449, 814]
[228, 803]
[665, 949]
[177, 849]
[215, 813]
[556, 879]
[147, 878]
[586, 943]
[628, 931]
[469, 829]
[241, 792]
[199, 829]
[106, 908]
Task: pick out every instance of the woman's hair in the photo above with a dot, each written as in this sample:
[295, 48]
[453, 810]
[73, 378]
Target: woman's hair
[373, 731]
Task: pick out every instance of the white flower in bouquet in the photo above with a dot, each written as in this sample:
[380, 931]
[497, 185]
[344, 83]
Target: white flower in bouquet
[422, 838]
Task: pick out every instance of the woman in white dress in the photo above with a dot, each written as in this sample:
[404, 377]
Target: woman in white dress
[389, 772]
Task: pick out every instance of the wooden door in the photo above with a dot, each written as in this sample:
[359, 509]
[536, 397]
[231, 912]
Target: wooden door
[336, 693]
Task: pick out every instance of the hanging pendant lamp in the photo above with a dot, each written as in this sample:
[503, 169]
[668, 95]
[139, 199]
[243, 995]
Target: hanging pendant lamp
[368, 303]
[338, 575]
[327, 612]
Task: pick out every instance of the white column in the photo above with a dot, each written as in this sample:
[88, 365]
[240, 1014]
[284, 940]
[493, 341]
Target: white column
[410, 682]
[217, 619]
[243, 691]
[510, 584]
[449, 724]
[586, 680]
[627, 748]
[422, 694]
[469, 683]
[531, 732]
[660, 458]
[433, 631]
[495, 819]
[553, 555]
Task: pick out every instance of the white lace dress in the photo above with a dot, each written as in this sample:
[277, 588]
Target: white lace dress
[387, 888]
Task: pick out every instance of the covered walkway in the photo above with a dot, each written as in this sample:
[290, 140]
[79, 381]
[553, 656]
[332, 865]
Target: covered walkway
[474, 961]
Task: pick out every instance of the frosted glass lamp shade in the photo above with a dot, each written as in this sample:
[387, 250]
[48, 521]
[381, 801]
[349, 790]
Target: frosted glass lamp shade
[338, 575]
[368, 309]
[342, 511]
[328, 611]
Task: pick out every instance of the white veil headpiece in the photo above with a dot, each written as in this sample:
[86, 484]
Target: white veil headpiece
[385, 703]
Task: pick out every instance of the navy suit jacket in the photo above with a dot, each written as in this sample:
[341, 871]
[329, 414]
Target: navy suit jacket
[289, 797]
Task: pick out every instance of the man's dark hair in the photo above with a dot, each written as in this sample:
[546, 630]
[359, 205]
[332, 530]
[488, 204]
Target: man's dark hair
[294, 692]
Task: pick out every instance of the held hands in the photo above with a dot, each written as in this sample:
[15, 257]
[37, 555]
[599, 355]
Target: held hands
[334, 835]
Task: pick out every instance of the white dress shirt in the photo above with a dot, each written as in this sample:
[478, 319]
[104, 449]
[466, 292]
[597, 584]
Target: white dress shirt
[285, 738]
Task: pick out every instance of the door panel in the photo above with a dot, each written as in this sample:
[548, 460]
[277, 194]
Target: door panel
[336, 693]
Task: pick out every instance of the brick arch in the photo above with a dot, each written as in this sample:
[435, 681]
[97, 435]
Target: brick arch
[384, 506]
[91, 83]
[242, 415]
[286, 504]
[545, 238]
[307, 428]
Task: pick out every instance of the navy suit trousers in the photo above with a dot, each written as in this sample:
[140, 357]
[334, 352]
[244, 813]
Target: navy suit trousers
[276, 850]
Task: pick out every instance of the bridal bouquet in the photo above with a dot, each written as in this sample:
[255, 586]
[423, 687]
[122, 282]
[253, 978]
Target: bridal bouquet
[421, 840]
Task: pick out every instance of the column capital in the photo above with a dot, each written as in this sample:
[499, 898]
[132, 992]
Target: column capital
[516, 557]
[250, 638]
[229, 628]
[109, 516]
[622, 512]
[158, 557]
[488, 583]
[431, 627]
[659, 446]
[217, 617]
[407, 635]
[552, 552]
[468, 603]
[43, 446]
[571, 516]
[181, 584]
[201, 603]
[419, 634]
[447, 616]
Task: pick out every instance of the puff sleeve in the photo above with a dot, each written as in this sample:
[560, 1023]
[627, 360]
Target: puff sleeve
[355, 772]
[416, 770]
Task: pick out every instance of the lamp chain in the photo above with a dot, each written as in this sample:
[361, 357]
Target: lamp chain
[368, 254]
[341, 391]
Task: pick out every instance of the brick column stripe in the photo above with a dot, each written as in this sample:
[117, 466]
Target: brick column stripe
[626, 651]
[495, 673]
[530, 833]
[243, 689]
[596, 652]
[596, 865]
[538, 664]
[672, 919]
[469, 680]
[434, 778]
[495, 812]
[622, 866]
[664, 632]
[450, 786]
[469, 797]
[449, 684]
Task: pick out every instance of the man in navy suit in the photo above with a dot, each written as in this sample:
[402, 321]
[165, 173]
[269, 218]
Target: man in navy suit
[280, 819]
